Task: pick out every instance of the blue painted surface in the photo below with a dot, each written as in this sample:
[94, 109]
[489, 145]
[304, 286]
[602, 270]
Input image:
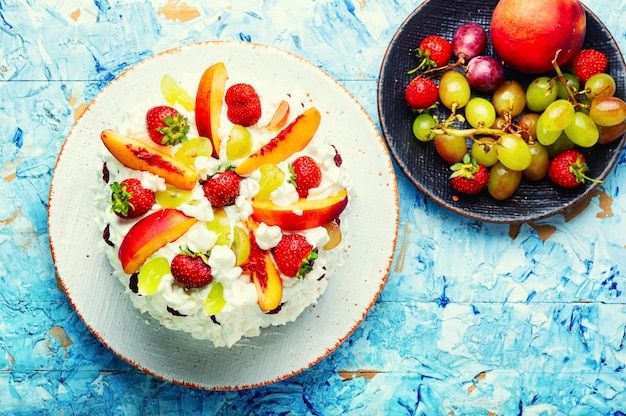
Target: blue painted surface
[532, 323]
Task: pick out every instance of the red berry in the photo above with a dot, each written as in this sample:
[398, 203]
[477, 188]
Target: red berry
[244, 105]
[588, 62]
[294, 256]
[305, 174]
[129, 199]
[421, 93]
[469, 177]
[191, 270]
[568, 169]
[433, 51]
[166, 126]
[222, 189]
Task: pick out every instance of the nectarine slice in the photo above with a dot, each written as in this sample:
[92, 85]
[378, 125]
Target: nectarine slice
[138, 155]
[269, 286]
[302, 214]
[209, 102]
[291, 139]
[150, 234]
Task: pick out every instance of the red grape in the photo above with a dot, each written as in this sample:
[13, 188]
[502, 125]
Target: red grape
[485, 73]
[468, 41]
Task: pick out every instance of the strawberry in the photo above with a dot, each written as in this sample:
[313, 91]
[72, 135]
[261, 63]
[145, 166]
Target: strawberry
[568, 169]
[433, 52]
[421, 93]
[305, 174]
[244, 105]
[129, 199]
[222, 189]
[191, 270]
[588, 62]
[469, 177]
[294, 256]
[166, 125]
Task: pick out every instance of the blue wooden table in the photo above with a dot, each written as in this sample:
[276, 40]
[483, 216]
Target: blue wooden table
[476, 318]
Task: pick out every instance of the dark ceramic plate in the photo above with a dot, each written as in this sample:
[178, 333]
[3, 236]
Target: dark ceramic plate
[420, 162]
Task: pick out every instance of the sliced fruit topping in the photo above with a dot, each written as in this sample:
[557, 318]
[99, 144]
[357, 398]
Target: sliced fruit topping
[137, 155]
[209, 102]
[166, 126]
[150, 275]
[239, 143]
[265, 276]
[334, 235]
[193, 148]
[302, 214]
[174, 93]
[220, 225]
[129, 199]
[214, 302]
[172, 197]
[241, 245]
[280, 117]
[291, 139]
[150, 234]
[271, 178]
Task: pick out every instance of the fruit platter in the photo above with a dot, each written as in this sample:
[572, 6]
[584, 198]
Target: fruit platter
[186, 245]
[501, 124]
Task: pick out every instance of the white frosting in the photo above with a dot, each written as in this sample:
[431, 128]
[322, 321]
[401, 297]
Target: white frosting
[182, 309]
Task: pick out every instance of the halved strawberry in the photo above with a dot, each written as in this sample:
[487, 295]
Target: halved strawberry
[244, 105]
[129, 199]
[166, 126]
[222, 189]
[294, 256]
[305, 174]
[191, 270]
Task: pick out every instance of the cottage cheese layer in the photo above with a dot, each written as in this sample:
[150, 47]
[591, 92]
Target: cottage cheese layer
[182, 309]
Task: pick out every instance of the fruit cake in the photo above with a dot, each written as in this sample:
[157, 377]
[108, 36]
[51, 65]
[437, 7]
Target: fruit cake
[223, 213]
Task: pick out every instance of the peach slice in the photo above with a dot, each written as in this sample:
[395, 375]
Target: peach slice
[280, 117]
[290, 140]
[269, 286]
[302, 214]
[150, 234]
[209, 102]
[138, 155]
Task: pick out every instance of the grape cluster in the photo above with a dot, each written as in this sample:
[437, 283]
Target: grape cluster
[512, 129]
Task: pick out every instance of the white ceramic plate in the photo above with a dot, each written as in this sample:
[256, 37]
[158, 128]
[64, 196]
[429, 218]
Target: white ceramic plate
[279, 352]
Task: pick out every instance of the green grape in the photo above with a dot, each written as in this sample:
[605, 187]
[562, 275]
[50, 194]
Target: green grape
[540, 93]
[545, 136]
[220, 225]
[611, 133]
[582, 130]
[539, 163]
[480, 112]
[450, 148]
[172, 196]
[513, 152]
[503, 182]
[600, 85]
[192, 148]
[422, 126]
[484, 151]
[572, 82]
[239, 142]
[454, 90]
[151, 274]
[214, 302]
[241, 245]
[607, 111]
[271, 178]
[561, 144]
[558, 115]
[509, 98]
[173, 93]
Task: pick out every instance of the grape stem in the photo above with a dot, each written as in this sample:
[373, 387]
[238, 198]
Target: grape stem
[559, 74]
